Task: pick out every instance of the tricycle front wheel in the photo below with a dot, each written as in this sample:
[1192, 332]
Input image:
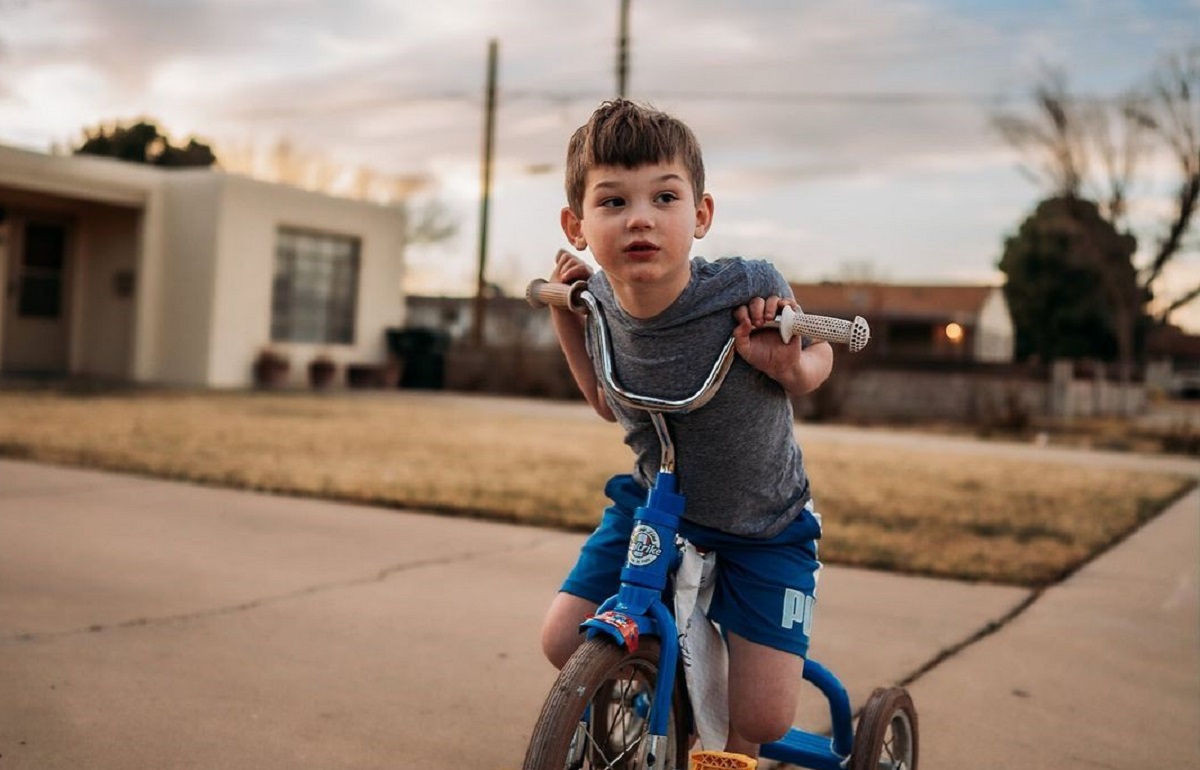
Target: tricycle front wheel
[597, 715]
[886, 738]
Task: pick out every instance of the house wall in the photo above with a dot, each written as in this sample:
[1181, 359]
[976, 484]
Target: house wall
[250, 216]
[180, 278]
[994, 336]
[102, 339]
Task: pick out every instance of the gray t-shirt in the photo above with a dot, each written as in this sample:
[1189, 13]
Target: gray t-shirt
[737, 459]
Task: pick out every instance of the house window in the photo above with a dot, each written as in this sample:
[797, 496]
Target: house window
[911, 338]
[316, 287]
[43, 262]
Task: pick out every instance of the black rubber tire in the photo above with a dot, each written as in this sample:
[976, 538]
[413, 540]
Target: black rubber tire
[887, 732]
[604, 675]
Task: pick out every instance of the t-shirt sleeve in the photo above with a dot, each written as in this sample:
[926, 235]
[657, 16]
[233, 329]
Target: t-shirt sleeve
[766, 280]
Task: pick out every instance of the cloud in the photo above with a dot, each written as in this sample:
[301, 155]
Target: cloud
[832, 131]
[398, 84]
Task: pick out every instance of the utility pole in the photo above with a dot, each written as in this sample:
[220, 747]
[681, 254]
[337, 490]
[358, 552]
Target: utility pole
[623, 50]
[489, 129]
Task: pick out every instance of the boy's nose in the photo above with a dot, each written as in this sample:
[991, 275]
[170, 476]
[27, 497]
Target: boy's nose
[640, 218]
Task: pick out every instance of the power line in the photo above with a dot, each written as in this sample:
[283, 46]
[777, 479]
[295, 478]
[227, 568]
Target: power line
[851, 98]
[881, 98]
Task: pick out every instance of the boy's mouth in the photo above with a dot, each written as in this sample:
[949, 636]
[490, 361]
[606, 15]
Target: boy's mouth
[641, 249]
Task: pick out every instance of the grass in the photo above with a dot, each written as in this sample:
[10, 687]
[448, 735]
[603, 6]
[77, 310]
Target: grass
[544, 463]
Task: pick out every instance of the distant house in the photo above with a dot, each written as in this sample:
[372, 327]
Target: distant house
[959, 323]
[138, 274]
[507, 321]
[520, 353]
[1174, 361]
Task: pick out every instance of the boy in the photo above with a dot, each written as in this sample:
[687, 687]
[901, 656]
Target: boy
[636, 200]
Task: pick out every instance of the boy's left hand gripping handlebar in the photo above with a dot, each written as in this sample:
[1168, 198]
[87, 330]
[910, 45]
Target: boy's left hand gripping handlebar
[542, 293]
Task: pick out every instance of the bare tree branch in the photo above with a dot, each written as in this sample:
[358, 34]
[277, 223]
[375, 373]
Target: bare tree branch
[1174, 115]
[1050, 139]
[1119, 137]
[1179, 302]
[1066, 134]
[431, 222]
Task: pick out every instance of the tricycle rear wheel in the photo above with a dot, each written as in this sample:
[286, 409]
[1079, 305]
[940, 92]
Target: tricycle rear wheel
[886, 738]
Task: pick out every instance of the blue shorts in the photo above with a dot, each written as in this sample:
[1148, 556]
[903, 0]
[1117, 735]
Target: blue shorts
[765, 589]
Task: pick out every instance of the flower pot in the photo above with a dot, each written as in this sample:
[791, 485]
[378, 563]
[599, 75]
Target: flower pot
[271, 370]
[321, 373]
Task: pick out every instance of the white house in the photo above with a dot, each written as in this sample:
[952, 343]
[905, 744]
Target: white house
[133, 273]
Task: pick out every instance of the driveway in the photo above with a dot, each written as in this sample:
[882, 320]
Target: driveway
[149, 624]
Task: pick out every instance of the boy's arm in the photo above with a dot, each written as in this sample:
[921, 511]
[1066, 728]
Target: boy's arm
[568, 327]
[797, 368]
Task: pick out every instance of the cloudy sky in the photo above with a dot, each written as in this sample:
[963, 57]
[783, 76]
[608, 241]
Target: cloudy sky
[841, 138]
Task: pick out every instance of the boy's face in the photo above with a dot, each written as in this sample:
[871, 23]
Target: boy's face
[639, 224]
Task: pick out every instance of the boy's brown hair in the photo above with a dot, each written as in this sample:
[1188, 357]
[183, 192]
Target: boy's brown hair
[627, 134]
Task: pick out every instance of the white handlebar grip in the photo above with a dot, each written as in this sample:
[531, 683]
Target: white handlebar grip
[541, 293]
[854, 333]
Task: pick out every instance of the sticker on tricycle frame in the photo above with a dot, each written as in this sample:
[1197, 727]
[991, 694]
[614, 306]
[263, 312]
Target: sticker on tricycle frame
[645, 546]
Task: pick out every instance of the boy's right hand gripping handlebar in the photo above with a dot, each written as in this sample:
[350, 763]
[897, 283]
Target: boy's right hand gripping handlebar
[542, 293]
[854, 334]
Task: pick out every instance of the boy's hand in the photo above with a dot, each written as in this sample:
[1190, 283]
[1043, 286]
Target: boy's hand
[798, 369]
[568, 327]
[569, 268]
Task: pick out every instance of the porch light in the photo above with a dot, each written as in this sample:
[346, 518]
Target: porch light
[954, 332]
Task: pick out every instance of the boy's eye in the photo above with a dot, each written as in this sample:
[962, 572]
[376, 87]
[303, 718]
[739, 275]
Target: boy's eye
[667, 197]
[612, 202]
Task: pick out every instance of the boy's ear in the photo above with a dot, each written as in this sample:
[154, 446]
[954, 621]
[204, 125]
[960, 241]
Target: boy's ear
[704, 215]
[572, 227]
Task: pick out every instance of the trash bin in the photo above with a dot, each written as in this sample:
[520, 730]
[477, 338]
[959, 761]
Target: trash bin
[423, 353]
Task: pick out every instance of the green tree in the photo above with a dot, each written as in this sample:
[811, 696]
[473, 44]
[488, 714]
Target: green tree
[1071, 285]
[192, 154]
[143, 142]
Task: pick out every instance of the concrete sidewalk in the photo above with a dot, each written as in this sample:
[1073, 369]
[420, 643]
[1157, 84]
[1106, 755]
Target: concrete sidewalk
[148, 624]
[1100, 671]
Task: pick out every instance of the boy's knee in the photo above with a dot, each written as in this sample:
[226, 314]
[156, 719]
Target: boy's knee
[560, 628]
[762, 725]
[558, 646]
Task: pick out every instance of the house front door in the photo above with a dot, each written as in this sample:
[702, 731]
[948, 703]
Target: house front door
[35, 301]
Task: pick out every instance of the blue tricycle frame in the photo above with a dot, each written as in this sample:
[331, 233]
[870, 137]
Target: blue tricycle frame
[639, 601]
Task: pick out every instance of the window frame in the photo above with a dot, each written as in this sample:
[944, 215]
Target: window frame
[315, 286]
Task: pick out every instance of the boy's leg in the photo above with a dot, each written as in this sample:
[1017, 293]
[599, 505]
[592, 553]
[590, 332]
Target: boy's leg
[764, 685]
[560, 629]
[764, 598]
[596, 574]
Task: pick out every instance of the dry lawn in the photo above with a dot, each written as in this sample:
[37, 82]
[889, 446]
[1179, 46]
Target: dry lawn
[545, 464]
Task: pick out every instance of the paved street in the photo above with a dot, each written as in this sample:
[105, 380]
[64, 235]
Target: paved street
[149, 624]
